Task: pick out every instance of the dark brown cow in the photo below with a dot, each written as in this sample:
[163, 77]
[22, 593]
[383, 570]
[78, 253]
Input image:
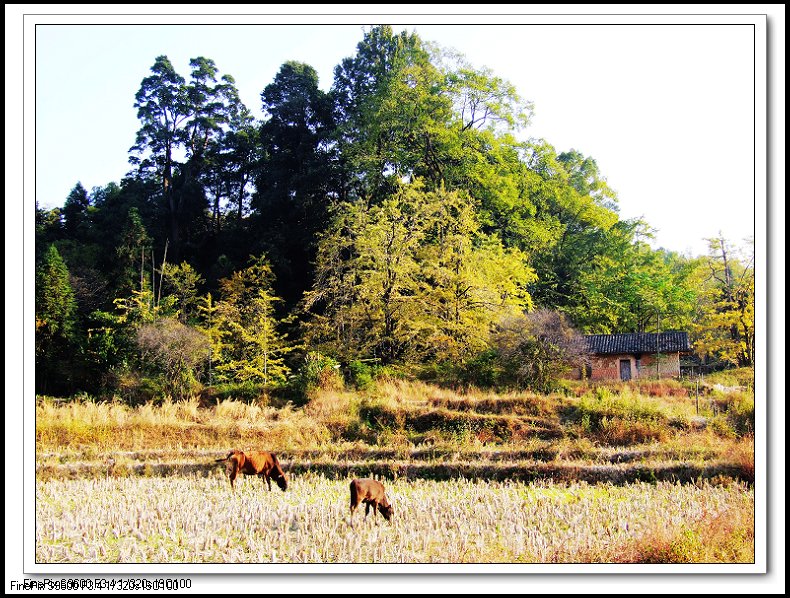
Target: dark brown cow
[370, 492]
[260, 463]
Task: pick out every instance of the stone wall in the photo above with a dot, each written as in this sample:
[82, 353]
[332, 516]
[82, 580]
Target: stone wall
[668, 367]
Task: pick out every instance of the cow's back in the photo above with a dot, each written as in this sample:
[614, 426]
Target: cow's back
[259, 462]
[366, 489]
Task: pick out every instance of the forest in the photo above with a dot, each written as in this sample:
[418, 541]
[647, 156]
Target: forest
[395, 223]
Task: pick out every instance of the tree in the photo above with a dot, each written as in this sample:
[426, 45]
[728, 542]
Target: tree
[247, 345]
[536, 350]
[232, 164]
[55, 319]
[411, 278]
[180, 118]
[584, 176]
[294, 181]
[182, 281]
[629, 287]
[725, 326]
[391, 112]
[468, 281]
[131, 253]
[49, 228]
[75, 212]
[481, 99]
[163, 108]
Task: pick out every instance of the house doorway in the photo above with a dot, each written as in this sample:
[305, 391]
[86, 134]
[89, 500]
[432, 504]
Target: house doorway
[625, 369]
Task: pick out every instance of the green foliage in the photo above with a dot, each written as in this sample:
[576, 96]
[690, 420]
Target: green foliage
[402, 222]
[141, 307]
[131, 252]
[108, 351]
[412, 278]
[246, 392]
[179, 117]
[316, 371]
[735, 377]
[75, 212]
[295, 175]
[537, 350]
[621, 419]
[136, 389]
[391, 114]
[49, 228]
[484, 370]
[725, 326]
[246, 343]
[55, 320]
[319, 371]
[182, 283]
[360, 374]
[55, 305]
[740, 413]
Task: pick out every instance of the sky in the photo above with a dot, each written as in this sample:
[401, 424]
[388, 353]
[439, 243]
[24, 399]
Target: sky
[666, 110]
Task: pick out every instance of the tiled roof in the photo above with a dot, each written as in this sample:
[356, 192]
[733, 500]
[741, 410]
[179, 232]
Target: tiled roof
[668, 342]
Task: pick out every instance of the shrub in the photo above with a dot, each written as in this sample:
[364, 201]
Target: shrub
[175, 351]
[740, 414]
[247, 392]
[316, 372]
[622, 419]
[733, 377]
[378, 416]
[135, 389]
[359, 375]
[535, 351]
[483, 370]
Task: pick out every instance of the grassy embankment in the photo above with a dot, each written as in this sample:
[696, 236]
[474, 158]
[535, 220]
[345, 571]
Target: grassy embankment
[624, 473]
[607, 433]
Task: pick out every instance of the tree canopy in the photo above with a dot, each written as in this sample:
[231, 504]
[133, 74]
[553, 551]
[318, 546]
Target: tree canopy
[399, 217]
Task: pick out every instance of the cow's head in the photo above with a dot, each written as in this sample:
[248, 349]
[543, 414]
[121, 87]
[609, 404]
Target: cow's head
[386, 511]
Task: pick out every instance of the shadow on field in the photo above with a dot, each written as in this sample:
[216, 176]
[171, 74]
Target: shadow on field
[617, 474]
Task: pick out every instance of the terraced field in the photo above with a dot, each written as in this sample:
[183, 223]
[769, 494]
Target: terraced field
[599, 477]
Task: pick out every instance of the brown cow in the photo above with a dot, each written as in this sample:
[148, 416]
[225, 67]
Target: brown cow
[370, 492]
[260, 463]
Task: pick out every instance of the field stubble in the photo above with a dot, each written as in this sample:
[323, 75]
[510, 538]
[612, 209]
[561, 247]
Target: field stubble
[474, 477]
[198, 519]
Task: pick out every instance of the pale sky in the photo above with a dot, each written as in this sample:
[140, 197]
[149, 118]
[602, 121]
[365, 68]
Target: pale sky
[666, 110]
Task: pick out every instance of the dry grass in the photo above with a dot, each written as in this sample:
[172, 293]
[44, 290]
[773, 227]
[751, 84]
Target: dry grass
[476, 477]
[112, 426]
[401, 415]
[721, 538]
[197, 519]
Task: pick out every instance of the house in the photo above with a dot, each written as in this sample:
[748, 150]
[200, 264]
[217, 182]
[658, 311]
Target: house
[635, 355]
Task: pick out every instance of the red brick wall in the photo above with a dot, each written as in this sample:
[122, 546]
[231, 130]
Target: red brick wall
[607, 367]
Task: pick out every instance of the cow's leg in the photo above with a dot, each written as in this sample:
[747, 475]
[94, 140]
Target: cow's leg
[354, 504]
[375, 508]
[232, 474]
[268, 480]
